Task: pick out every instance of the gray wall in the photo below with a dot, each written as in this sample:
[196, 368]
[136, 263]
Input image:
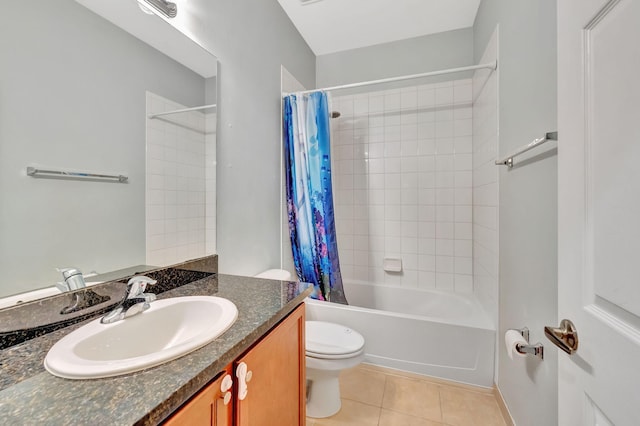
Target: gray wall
[528, 197]
[450, 49]
[251, 40]
[72, 96]
[211, 88]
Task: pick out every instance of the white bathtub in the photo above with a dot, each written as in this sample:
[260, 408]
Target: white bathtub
[29, 296]
[428, 332]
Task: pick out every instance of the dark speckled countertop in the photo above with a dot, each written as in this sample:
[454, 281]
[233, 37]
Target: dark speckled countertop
[30, 395]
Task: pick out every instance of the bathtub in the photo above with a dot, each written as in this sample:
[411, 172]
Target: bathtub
[7, 302]
[428, 332]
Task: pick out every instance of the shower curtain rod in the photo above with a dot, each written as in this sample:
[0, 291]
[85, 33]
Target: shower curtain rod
[152, 116]
[491, 65]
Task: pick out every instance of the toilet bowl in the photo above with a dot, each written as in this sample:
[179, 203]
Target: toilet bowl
[330, 348]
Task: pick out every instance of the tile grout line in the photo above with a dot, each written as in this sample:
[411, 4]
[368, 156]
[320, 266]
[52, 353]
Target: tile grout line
[440, 401]
[384, 391]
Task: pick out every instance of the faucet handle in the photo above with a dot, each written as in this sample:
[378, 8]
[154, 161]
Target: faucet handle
[137, 285]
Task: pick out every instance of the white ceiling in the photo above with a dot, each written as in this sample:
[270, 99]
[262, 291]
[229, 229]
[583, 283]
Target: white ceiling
[168, 38]
[330, 26]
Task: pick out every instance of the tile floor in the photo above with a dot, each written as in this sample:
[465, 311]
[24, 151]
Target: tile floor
[375, 396]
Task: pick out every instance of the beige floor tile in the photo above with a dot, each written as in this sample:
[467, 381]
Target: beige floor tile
[362, 385]
[352, 413]
[461, 408]
[392, 418]
[413, 397]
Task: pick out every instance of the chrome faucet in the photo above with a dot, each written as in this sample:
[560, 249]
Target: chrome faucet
[85, 298]
[135, 300]
[73, 280]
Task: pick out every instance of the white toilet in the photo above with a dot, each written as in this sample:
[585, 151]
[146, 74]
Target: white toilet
[330, 348]
[275, 274]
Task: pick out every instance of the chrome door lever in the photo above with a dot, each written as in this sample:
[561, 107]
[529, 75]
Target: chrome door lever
[565, 337]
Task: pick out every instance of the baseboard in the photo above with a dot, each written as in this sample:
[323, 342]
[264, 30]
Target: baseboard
[402, 373]
[503, 406]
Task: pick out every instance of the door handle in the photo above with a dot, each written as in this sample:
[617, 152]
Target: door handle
[565, 337]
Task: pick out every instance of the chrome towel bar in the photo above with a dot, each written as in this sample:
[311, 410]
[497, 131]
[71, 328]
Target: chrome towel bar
[508, 160]
[34, 172]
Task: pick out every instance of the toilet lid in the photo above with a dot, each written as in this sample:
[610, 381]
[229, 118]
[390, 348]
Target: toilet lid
[326, 338]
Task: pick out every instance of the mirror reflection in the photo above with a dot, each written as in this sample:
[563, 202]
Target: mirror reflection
[81, 96]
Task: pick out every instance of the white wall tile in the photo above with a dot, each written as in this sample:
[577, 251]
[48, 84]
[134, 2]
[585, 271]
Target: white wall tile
[484, 247]
[404, 185]
[426, 262]
[409, 213]
[462, 93]
[464, 265]
[463, 283]
[376, 104]
[444, 264]
[409, 246]
[176, 188]
[392, 195]
[444, 95]
[426, 97]
[410, 278]
[445, 281]
[392, 101]
[393, 166]
[463, 248]
[426, 280]
[427, 246]
[445, 247]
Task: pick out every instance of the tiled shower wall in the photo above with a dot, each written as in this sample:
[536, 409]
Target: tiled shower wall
[485, 183]
[210, 159]
[402, 170]
[180, 184]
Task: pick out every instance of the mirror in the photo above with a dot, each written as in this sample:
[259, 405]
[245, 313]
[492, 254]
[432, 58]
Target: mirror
[76, 92]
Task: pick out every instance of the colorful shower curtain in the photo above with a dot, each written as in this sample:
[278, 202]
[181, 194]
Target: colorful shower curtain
[309, 194]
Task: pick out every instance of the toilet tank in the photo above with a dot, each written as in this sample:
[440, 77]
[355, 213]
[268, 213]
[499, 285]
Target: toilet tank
[275, 274]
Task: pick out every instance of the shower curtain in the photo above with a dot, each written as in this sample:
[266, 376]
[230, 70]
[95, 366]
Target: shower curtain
[309, 194]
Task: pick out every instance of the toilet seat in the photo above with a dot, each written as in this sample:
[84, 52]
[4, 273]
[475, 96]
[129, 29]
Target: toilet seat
[326, 340]
[338, 356]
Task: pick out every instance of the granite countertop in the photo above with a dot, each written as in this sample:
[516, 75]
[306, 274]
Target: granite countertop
[30, 395]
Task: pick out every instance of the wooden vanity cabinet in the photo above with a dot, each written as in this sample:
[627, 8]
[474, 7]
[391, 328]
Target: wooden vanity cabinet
[208, 407]
[268, 384]
[276, 389]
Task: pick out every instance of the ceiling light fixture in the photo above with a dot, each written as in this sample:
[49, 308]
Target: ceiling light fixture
[163, 7]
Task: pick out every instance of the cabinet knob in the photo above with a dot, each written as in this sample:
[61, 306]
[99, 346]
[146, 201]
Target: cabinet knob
[248, 376]
[226, 383]
[227, 398]
[241, 374]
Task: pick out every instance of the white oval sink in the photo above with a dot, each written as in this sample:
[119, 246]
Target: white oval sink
[169, 329]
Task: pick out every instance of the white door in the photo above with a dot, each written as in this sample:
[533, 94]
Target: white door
[599, 209]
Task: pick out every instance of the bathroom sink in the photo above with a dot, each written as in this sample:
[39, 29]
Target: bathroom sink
[169, 329]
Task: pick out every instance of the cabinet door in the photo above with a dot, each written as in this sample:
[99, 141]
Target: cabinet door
[275, 393]
[207, 407]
